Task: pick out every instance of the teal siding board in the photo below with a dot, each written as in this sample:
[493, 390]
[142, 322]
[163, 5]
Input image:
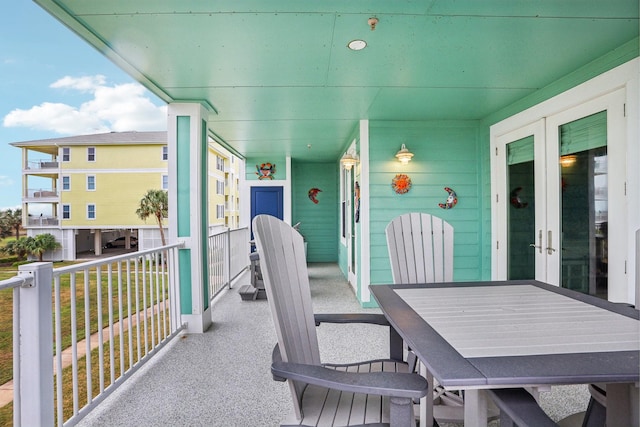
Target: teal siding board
[319, 223]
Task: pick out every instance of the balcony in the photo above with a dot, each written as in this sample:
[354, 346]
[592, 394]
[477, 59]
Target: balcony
[41, 195]
[218, 378]
[42, 164]
[42, 221]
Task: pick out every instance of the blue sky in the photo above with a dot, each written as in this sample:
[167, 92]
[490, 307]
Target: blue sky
[53, 84]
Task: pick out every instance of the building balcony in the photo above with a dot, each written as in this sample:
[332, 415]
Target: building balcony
[42, 164]
[42, 221]
[42, 195]
[42, 168]
[217, 378]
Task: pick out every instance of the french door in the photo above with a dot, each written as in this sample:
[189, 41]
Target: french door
[560, 201]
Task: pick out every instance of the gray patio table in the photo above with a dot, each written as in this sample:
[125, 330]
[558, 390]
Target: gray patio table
[479, 335]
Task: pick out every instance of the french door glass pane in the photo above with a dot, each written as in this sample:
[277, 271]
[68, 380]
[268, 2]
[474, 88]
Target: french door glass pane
[584, 212]
[521, 210]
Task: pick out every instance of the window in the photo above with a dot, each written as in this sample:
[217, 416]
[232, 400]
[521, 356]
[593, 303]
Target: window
[91, 154]
[219, 211]
[165, 153]
[165, 182]
[91, 182]
[91, 211]
[219, 187]
[66, 183]
[66, 154]
[220, 163]
[66, 211]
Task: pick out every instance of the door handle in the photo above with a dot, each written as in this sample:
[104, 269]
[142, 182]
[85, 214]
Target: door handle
[539, 246]
[550, 249]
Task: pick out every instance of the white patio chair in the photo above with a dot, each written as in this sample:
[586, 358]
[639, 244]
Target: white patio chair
[367, 393]
[421, 251]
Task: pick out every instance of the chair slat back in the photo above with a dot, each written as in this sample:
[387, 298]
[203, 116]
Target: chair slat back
[420, 248]
[286, 281]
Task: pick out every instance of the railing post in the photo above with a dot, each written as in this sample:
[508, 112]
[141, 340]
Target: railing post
[36, 346]
[228, 255]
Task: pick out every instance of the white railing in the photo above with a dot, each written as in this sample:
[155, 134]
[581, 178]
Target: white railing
[228, 257]
[42, 221]
[40, 193]
[110, 316]
[42, 164]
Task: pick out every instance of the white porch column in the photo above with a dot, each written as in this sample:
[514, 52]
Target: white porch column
[97, 241]
[187, 144]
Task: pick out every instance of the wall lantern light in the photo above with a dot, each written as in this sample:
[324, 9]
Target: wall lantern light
[348, 161]
[404, 155]
[567, 161]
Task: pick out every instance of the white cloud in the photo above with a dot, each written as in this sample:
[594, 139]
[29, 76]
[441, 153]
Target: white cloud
[6, 181]
[117, 108]
[83, 84]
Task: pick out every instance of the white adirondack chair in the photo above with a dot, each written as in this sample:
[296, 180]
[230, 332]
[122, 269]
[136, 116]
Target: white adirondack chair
[420, 249]
[326, 395]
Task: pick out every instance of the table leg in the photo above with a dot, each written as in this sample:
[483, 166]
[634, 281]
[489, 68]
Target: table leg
[622, 405]
[475, 408]
[426, 403]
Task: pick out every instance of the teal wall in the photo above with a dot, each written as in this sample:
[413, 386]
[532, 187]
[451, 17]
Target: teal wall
[320, 224]
[446, 154]
[251, 163]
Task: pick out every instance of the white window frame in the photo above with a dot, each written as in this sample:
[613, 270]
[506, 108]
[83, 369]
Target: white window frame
[62, 186]
[66, 154]
[165, 152]
[164, 182]
[91, 151]
[220, 187]
[219, 211]
[89, 205]
[68, 212]
[94, 183]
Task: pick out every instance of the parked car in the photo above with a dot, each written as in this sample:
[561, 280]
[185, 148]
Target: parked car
[120, 242]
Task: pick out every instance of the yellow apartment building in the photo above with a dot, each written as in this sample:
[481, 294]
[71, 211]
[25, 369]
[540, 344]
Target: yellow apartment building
[85, 190]
[224, 183]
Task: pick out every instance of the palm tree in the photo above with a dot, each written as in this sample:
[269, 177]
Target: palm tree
[12, 219]
[155, 203]
[43, 243]
[20, 247]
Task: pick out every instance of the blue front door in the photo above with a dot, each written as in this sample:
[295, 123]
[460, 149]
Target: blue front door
[267, 200]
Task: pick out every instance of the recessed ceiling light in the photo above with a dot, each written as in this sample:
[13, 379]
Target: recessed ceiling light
[357, 44]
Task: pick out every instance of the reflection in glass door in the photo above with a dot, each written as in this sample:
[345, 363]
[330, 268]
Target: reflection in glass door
[521, 209]
[584, 204]
[572, 187]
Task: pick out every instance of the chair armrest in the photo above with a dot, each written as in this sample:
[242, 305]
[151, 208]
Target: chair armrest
[393, 384]
[517, 406]
[395, 341]
[275, 358]
[372, 318]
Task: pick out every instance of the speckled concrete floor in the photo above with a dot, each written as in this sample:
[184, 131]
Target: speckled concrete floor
[222, 377]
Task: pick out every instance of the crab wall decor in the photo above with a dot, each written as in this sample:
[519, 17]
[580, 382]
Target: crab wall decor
[266, 170]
